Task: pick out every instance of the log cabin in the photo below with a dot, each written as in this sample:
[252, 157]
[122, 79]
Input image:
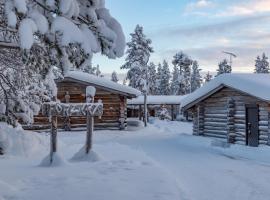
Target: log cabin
[72, 89]
[154, 105]
[234, 107]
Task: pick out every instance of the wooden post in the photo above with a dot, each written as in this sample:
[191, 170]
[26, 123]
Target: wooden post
[145, 110]
[53, 137]
[140, 112]
[123, 114]
[172, 112]
[230, 121]
[89, 134]
[268, 142]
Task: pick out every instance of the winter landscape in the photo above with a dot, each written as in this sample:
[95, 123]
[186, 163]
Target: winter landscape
[123, 100]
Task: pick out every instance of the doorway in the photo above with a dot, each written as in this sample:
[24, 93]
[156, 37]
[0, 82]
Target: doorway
[252, 125]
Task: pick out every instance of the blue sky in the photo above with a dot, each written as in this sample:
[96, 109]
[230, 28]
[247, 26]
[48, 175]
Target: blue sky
[201, 28]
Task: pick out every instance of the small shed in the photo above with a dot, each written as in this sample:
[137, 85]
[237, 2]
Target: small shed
[235, 107]
[72, 89]
[154, 104]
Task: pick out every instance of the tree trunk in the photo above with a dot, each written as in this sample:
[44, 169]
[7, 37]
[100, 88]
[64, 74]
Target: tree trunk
[53, 137]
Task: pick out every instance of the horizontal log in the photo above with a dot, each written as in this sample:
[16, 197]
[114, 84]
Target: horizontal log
[215, 135]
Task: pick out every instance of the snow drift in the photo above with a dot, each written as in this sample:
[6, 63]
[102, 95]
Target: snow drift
[17, 142]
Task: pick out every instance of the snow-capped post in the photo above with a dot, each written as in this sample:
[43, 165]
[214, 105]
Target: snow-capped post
[67, 125]
[90, 96]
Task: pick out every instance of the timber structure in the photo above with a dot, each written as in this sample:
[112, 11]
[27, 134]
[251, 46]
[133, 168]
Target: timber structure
[233, 107]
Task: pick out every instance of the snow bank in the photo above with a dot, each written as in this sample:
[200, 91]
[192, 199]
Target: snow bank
[257, 85]
[17, 142]
[81, 156]
[57, 161]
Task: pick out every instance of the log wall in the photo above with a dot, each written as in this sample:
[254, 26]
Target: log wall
[224, 116]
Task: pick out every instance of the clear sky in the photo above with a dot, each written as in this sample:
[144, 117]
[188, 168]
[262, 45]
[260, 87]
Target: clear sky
[200, 28]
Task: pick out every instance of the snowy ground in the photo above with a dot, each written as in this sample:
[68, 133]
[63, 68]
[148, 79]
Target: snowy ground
[161, 162]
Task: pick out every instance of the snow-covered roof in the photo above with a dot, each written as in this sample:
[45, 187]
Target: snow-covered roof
[157, 100]
[257, 85]
[102, 82]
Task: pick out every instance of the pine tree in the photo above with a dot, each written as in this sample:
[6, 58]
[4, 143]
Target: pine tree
[262, 65]
[208, 77]
[138, 54]
[152, 78]
[175, 84]
[196, 78]
[114, 77]
[183, 62]
[164, 79]
[224, 68]
[158, 80]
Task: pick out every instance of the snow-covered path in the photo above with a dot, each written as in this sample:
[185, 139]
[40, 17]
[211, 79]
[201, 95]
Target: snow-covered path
[160, 162]
[202, 171]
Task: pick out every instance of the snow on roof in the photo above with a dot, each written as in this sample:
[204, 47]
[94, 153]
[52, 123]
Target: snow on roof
[257, 85]
[156, 100]
[103, 82]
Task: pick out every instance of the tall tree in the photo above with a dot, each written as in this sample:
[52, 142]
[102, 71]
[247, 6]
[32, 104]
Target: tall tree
[196, 78]
[175, 83]
[224, 68]
[138, 54]
[262, 64]
[164, 79]
[114, 77]
[183, 62]
[152, 78]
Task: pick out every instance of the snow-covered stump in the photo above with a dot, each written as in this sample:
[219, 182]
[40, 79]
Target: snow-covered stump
[54, 110]
[230, 121]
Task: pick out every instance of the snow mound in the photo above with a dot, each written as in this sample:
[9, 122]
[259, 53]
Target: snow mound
[6, 191]
[81, 156]
[17, 142]
[57, 161]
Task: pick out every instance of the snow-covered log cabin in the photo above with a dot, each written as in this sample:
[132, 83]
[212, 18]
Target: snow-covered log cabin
[154, 105]
[235, 107]
[114, 96]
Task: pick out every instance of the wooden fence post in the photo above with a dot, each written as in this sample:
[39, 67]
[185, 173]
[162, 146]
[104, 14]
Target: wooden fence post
[53, 137]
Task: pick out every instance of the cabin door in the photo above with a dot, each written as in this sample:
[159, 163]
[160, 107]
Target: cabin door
[252, 125]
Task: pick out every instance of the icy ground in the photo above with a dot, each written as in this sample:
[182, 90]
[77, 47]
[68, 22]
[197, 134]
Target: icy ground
[161, 162]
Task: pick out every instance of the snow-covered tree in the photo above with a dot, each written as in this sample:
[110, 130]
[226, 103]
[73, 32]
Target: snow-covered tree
[138, 54]
[98, 72]
[52, 33]
[72, 31]
[114, 77]
[152, 78]
[208, 77]
[183, 63]
[224, 68]
[262, 64]
[163, 78]
[196, 78]
[175, 83]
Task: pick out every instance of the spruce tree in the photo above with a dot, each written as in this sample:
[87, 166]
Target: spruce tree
[262, 64]
[224, 68]
[183, 62]
[175, 83]
[164, 79]
[138, 54]
[158, 80]
[114, 77]
[196, 78]
[152, 78]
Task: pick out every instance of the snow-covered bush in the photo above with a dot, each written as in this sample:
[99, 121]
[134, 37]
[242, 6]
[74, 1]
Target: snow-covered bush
[164, 114]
